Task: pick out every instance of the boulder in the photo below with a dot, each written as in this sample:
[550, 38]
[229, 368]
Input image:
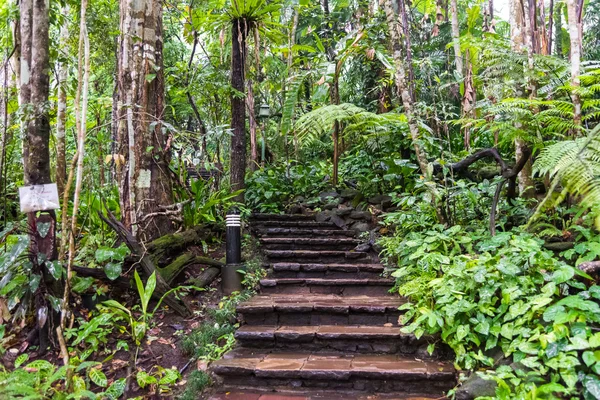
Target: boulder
[339, 222]
[364, 247]
[331, 206]
[383, 199]
[343, 211]
[475, 386]
[323, 216]
[327, 196]
[361, 227]
[349, 194]
[364, 215]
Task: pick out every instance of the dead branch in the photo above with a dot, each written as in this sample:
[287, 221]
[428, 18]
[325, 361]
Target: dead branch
[145, 262]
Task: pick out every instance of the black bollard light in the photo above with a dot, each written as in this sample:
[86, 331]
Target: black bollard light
[231, 278]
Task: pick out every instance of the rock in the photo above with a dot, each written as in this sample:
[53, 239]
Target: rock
[349, 194]
[343, 211]
[299, 199]
[364, 247]
[295, 209]
[364, 215]
[339, 222]
[327, 196]
[475, 387]
[323, 216]
[361, 227]
[383, 199]
[331, 206]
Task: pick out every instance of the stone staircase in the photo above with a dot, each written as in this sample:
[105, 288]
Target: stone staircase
[324, 325]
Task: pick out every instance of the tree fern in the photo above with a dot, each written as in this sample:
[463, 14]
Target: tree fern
[574, 164]
[311, 126]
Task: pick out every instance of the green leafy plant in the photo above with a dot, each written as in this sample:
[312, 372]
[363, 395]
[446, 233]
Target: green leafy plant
[41, 379]
[503, 294]
[112, 260]
[159, 379]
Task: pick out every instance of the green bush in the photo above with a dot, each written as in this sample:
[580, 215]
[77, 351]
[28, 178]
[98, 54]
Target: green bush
[507, 295]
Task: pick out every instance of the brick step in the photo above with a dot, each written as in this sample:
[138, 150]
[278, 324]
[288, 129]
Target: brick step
[316, 394]
[346, 287]
[319, 256]
[314, 309]
[302, 232]
[364, 373]
[256, 225]
[349, 339]
[343, 271]
[281, 217]
[295, 243]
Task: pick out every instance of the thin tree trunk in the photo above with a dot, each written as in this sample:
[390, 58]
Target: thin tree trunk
[573, 13]
[146, 183]
[253, 127]
[520, 40]
[456, 36]
[237, 166]
[396, 32]
[61, 117]
[550, 26]
[558, 29]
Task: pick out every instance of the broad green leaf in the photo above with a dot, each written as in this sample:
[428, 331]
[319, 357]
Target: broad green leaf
[97, 376]
[116, 389]
[148, 291]
[591, 384]
[113, 270]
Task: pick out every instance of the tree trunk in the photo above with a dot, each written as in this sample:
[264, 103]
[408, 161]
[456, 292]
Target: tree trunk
[253, 127]
[237, 166]
[574, 25]
[456, 36]
[61, 117]
[550, 26]
[34, 91]
[396, 32]
[558, 29]
[519, 37]
[146, 183]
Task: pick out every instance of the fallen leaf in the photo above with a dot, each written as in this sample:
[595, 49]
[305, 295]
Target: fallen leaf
[202, 365]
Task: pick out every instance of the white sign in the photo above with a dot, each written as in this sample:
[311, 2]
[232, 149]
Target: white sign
[39, 198]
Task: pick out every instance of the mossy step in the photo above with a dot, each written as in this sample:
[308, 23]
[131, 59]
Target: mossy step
[320, 309]
[346, 287]
[384, 373]
[302, 232]
[327, 338]
[281, 217]
[304, 394]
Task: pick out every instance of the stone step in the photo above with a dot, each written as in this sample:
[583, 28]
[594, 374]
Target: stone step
[331, 271]
[296, 243]
[293, 224]
[361, 373]
[325, 309]
[349, 339]
[346, 287]
[281, 217]
[316, 394]
[318, 256]
[302, 232]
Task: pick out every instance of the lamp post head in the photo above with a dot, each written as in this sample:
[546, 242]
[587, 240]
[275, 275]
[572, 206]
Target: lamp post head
[264, 111]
